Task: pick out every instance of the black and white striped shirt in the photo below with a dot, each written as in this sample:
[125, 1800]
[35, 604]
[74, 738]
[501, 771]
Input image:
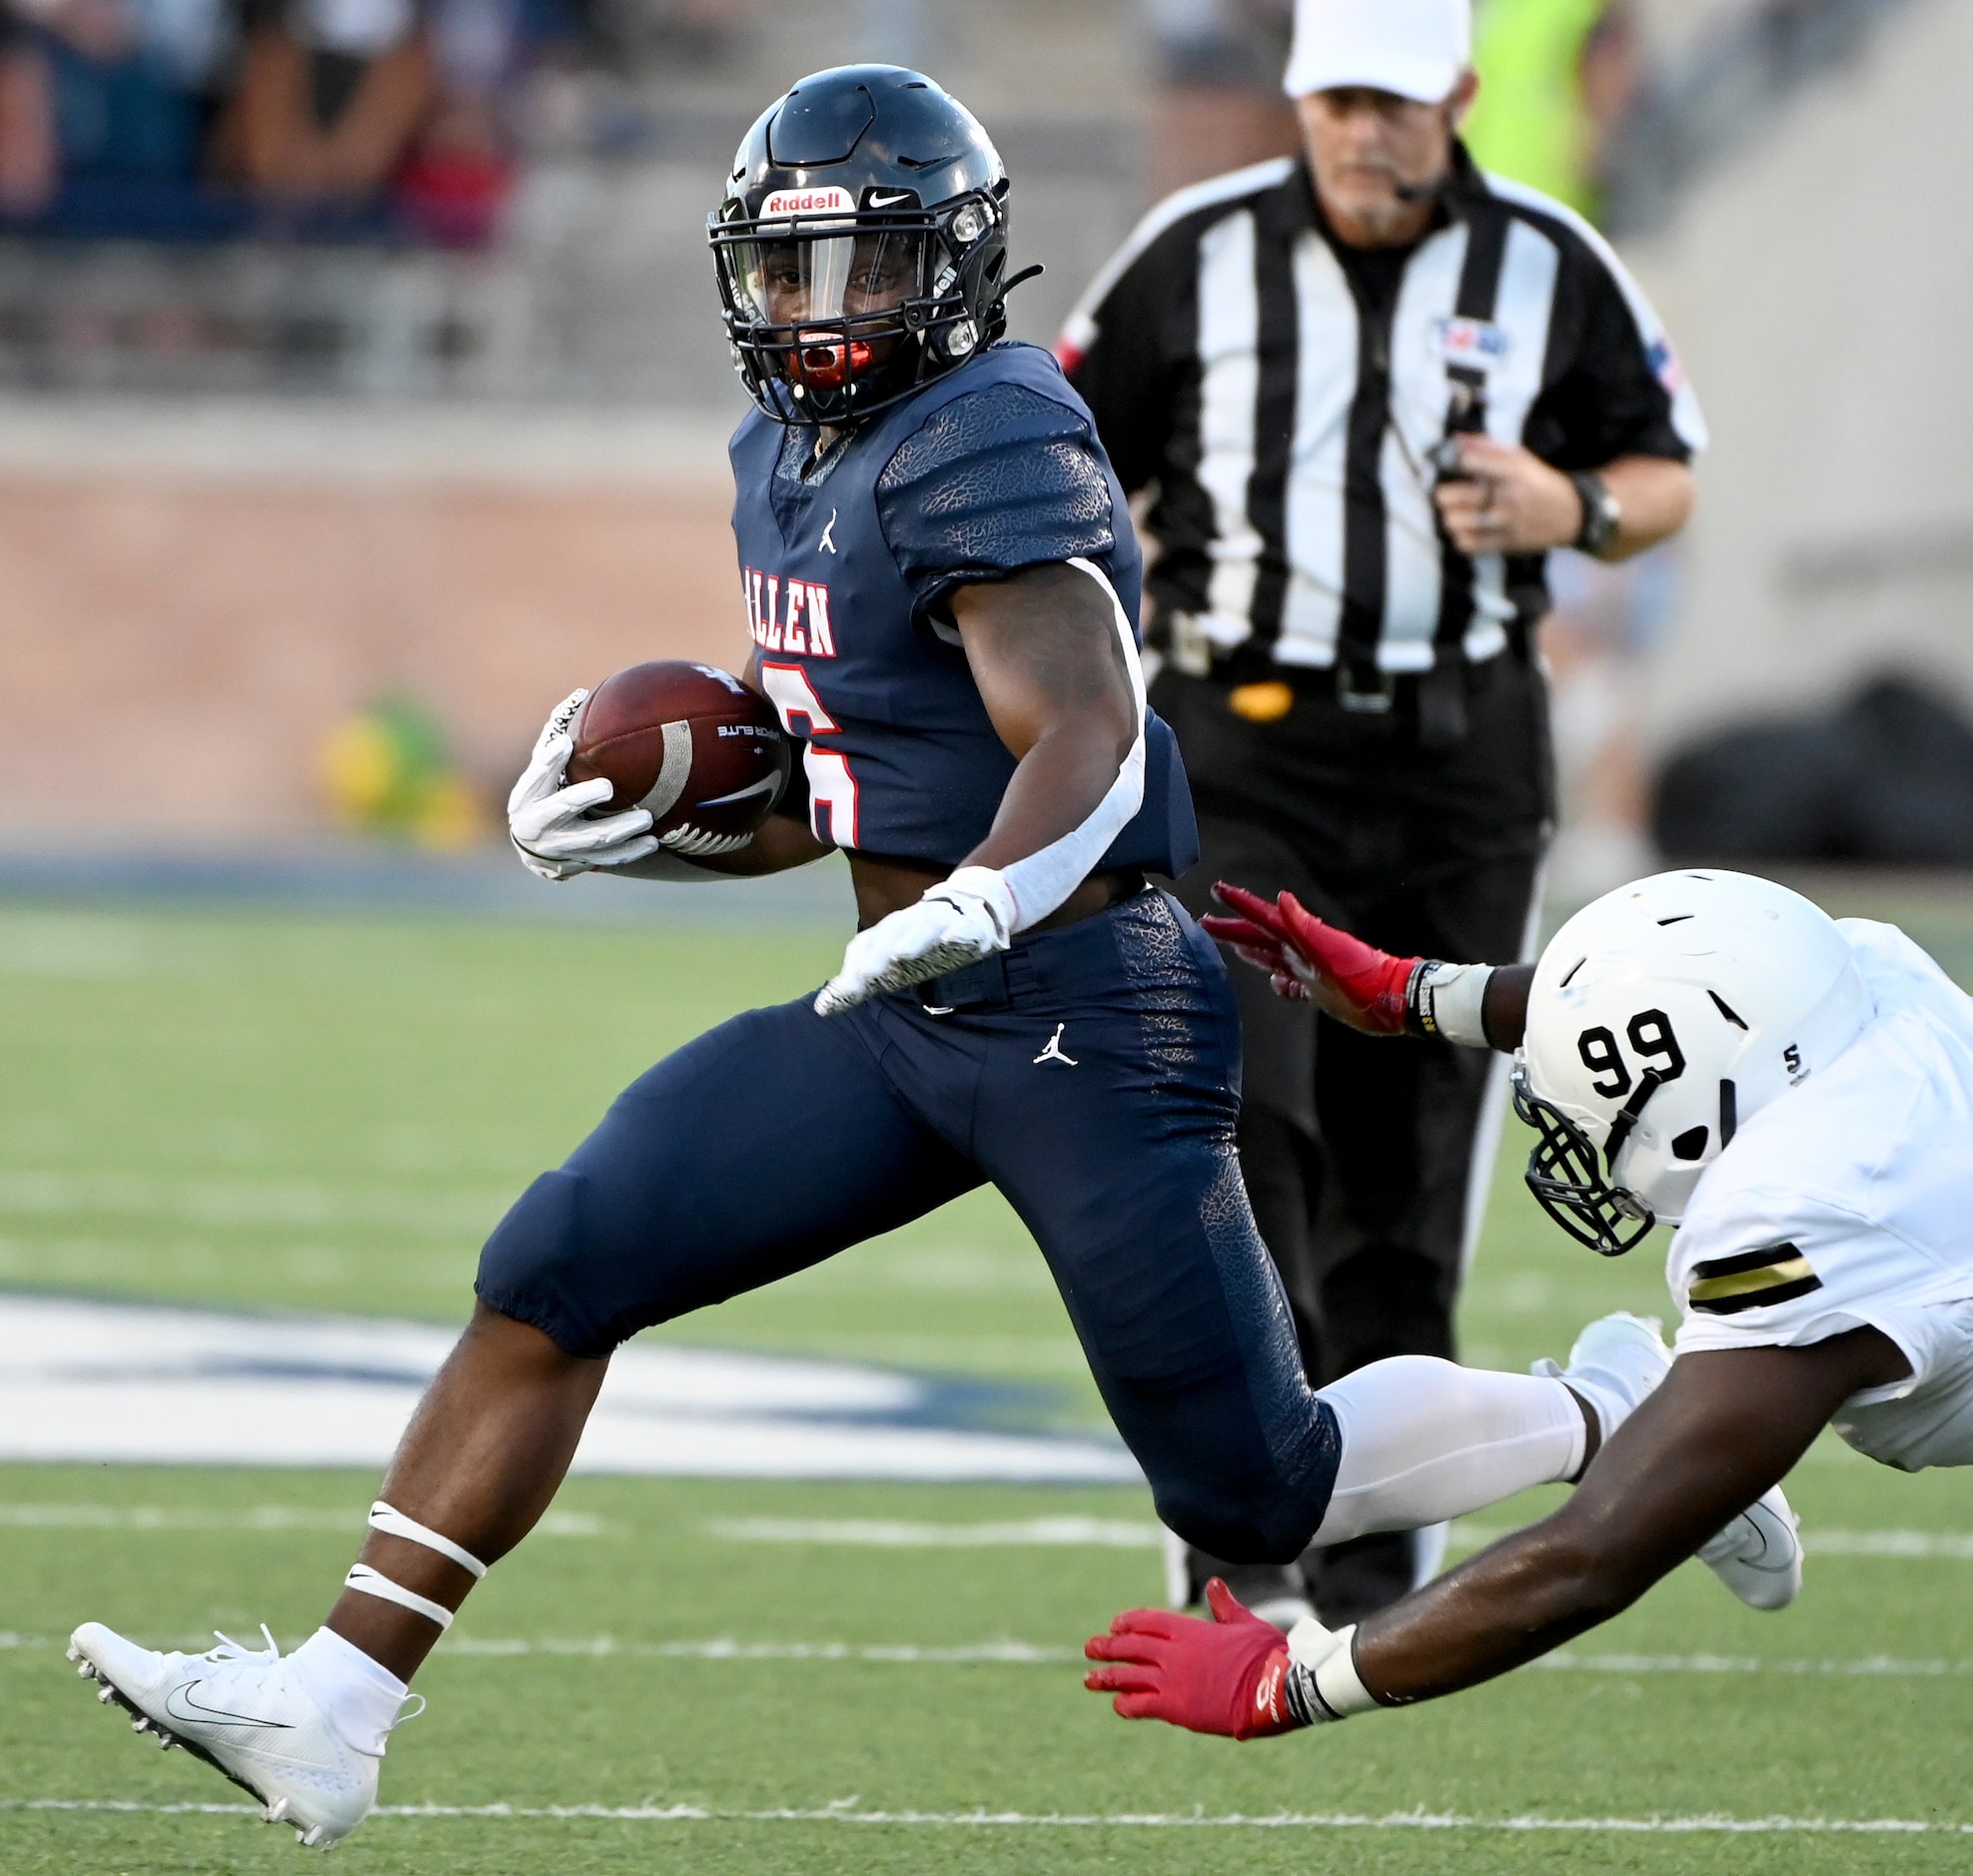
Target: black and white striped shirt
[1283, 395]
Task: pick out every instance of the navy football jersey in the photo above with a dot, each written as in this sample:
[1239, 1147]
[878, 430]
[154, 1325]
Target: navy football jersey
[848, 564]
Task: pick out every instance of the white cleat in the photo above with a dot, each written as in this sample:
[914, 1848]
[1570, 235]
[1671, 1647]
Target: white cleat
[1760, 1555]
[246, 1714]
[1617, 1362]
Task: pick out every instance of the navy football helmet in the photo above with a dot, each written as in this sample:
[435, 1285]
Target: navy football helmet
[862, 245]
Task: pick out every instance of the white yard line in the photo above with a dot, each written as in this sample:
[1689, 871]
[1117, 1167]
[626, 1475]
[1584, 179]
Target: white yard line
[1130, 1534]
[843, 1812]
[1947, 1545]
[1102, 1534]
[231, 1200]
[1010, 1653]
[267, 1517]
[720, 1648]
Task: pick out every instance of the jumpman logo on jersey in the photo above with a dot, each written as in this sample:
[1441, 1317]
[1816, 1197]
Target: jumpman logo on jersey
[827, 543]
[1053, 1053]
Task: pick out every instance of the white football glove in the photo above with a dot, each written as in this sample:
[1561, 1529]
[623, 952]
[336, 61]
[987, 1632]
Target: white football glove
[544, 818]
[959, 921]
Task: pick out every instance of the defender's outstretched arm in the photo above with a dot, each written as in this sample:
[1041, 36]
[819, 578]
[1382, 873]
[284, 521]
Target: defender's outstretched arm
[1725, 1426]
[1310, 961]
[1722, 1427]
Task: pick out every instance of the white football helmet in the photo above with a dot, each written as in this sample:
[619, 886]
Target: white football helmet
[1662, 1017]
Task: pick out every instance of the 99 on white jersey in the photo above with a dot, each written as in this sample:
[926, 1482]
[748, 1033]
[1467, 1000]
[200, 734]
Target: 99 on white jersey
[1849, 1202]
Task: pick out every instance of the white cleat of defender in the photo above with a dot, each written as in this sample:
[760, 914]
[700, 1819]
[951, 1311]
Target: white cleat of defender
[1760, 1555]
[246, 1714]
[1618, 1360]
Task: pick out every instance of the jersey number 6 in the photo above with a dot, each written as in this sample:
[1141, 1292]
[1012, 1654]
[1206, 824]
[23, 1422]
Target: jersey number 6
[830, 784]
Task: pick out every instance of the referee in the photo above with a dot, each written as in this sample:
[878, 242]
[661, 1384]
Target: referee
[1365, 392]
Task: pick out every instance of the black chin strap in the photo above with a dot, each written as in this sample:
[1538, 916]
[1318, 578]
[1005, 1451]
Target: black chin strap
[1627, 1116]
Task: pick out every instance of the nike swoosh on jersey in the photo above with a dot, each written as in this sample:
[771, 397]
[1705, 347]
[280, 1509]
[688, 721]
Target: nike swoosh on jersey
[194, 1711]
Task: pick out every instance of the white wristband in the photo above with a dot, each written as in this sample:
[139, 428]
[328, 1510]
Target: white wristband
[1323, 1682]
[1309, 1644]
[1448, 999]
[1338, 1682]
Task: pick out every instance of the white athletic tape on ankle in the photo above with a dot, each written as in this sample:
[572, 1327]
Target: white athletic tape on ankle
[369, 1583]
[393, 1523]
[1447, 998]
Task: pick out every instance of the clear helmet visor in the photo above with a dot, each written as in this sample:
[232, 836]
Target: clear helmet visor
[835, 301]
[829, 277]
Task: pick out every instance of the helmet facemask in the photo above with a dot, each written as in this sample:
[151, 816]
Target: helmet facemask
[1566, 1179]
[834, 318]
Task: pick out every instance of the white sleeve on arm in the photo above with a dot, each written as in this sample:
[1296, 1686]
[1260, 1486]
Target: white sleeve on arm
[1042, 881]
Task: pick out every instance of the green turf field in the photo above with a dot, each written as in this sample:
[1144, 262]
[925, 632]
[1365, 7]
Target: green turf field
[329, 1113]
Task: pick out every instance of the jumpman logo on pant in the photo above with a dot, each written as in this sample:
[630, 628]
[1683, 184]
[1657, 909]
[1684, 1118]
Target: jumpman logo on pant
[1053, 1052]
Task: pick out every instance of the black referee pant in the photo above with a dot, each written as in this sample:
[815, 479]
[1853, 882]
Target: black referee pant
[1360, 1153]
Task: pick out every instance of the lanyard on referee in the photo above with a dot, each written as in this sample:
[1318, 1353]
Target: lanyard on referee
[1441, 689]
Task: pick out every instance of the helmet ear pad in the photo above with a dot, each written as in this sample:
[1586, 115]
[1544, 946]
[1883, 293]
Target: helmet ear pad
[1724, 989]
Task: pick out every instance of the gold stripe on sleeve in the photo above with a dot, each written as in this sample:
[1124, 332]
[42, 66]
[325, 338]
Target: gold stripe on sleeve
[1749, 1282]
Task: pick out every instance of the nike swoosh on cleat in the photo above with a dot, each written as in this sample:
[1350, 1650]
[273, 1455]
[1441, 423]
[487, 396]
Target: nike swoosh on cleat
[194, 1711]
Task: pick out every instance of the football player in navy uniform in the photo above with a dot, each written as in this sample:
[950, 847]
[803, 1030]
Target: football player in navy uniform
[942, 582]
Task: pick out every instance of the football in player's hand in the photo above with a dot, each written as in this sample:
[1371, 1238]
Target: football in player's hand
[688, 742]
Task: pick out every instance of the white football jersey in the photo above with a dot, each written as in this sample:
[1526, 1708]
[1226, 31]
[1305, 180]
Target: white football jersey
[1849, 1201]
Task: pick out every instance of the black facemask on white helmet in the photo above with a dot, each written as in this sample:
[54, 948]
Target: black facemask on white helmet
[1663, 1018]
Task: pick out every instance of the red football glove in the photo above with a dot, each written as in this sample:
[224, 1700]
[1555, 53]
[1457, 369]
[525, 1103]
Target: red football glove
[1227, 1676]
[1258, 935]
[1354, 982]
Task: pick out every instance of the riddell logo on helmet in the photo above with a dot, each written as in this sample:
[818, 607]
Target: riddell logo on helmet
[830, 201]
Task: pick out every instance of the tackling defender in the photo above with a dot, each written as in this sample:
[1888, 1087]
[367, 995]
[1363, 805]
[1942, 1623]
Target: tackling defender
[942, 585]
[1709, 1050]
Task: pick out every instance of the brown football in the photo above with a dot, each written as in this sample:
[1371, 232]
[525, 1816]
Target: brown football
[688, 742]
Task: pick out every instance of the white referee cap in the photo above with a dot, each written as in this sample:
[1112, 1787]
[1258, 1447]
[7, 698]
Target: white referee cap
[1415, 48]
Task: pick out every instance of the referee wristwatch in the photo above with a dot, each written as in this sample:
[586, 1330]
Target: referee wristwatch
[1603, 515]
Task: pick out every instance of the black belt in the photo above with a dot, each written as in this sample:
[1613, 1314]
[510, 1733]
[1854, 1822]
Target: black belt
[991, 984]
[1431, 703]
[1036, 961]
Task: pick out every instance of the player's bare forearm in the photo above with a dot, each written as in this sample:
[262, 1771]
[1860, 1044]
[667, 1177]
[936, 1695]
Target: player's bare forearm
[1372, 991]
[1723, 1428]
[1508, 499]
[1045, 652]
[1503, 1009]
[1655, 497]
[783, 842]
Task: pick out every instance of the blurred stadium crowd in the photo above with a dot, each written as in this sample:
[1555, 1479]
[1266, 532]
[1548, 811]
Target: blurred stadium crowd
[207, 118]
[366, 119]
[256, 255]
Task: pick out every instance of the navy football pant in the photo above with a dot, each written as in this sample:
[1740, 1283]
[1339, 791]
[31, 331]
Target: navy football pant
[1089, 1073]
